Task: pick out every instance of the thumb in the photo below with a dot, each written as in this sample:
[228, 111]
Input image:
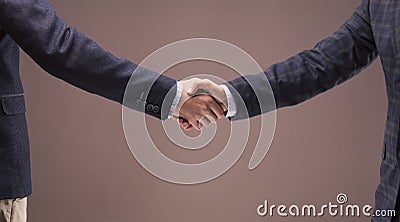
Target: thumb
[193, 88]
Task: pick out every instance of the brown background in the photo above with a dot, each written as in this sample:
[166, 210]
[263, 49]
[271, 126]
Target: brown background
[83, 169]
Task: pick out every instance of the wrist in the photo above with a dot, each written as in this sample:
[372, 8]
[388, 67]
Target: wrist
[230, 102]
[175, 103]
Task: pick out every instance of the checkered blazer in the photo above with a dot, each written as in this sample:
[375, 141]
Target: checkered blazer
[373, 29]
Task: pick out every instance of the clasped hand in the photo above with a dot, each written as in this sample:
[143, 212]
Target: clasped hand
[201, 102]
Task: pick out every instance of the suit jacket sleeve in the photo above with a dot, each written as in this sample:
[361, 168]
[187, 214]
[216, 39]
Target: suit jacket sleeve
[332, 61]
[69, 55]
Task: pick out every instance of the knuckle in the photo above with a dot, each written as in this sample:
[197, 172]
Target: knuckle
[210, 83]
[204, 81]
[197, 116]
[208, 99]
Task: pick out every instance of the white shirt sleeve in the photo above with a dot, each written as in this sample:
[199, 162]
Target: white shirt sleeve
[176, 99]
[231, 102]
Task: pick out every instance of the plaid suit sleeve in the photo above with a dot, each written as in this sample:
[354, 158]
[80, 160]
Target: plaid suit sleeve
[333, 60]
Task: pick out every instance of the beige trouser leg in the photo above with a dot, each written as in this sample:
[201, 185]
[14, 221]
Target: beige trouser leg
[13, 210]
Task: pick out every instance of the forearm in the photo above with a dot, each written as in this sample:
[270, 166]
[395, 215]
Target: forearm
[332, 61]
[69, 55]
[314, 71]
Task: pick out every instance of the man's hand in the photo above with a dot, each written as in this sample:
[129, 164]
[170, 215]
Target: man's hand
[196, 111]
[200, 111]
[205, 86]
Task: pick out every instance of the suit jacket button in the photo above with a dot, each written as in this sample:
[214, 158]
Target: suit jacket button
[156, 109]
[138, 102]
[149, 107]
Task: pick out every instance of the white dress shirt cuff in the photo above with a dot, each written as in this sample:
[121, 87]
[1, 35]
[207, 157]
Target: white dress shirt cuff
[231, 102]
[176, 99]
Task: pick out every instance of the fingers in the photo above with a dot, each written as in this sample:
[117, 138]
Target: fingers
[184, 124]
[195, 85]
[217, 110]
[197, 125]
[193, 121]
[180, 121]
[200, 84]
[200, 111]
[211, 88]
[191, 86]
[223, 107]
[205, 121]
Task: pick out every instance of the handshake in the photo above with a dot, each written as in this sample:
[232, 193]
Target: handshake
[200, 102]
